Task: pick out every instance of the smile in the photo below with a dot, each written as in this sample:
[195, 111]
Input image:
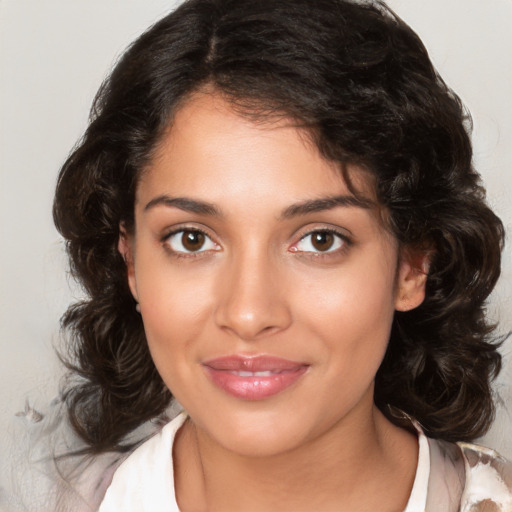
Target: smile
[255, 374]
[253, 378]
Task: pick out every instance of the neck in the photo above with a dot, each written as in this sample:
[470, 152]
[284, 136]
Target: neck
[354, 466]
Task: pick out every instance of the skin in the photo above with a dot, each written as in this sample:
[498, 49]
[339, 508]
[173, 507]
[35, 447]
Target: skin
[259, 286]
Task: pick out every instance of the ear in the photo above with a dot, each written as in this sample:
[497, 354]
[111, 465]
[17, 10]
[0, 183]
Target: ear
[411, 279]
[125, 248]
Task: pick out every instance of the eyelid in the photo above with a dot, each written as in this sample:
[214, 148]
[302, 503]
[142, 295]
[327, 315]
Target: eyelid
[346, 241]
[185, 253]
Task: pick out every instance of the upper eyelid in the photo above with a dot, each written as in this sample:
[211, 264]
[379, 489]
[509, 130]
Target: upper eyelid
[167, 233]
[341, 232]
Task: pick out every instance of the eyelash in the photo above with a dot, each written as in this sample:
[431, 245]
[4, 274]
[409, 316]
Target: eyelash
[344, 241]
[166, 239]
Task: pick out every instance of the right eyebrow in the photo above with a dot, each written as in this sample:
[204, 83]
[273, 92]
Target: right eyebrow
[185, 204]
[326, 203]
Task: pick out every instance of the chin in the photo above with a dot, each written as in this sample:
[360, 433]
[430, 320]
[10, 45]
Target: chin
[260, 444]
[260, 433]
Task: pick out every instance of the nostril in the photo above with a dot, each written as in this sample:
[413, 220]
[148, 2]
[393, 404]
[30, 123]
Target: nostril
[254, 324]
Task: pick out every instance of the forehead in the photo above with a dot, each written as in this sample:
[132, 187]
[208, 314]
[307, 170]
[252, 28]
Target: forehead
[210, 147]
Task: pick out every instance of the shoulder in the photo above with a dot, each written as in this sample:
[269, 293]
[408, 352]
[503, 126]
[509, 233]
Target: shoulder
[488, 478]
[145, 480]
[41, 465]
[471, 478]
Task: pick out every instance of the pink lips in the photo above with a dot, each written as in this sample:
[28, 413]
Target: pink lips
[253, 378]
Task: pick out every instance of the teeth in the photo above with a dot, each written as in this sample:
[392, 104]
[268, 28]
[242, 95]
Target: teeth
[267, 373]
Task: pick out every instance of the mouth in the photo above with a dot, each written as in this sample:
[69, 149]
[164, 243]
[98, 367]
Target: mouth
[253, 378]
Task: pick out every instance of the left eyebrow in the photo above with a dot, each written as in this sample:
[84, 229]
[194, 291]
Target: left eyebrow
[185, 204]
[326, 203]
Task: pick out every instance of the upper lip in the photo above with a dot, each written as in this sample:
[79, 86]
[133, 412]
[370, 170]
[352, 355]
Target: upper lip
[260, 363]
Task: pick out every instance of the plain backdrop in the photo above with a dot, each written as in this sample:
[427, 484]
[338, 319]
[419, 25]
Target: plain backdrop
[53, 57]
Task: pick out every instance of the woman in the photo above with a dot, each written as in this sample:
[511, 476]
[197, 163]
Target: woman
[276, 218]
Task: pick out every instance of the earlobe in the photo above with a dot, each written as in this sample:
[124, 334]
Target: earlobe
[125, 248]
[411, 281]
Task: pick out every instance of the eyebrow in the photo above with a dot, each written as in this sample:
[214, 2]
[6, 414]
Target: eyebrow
[294, 210]
[327, 203]
[185, 204]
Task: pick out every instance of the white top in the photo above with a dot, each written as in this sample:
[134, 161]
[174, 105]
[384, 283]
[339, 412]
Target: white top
[448, 477]
[144, 482]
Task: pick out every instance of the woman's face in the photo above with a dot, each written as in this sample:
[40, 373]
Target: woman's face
[266, 289]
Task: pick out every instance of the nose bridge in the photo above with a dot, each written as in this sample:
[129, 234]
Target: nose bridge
[250, 303]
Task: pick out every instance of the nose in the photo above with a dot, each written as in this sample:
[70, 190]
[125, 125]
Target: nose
[252, 301]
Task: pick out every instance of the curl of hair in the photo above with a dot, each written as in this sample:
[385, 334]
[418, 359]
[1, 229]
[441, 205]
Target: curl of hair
[360, 81]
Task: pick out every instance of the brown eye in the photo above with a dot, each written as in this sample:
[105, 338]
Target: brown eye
[322, 240]
[192, 240]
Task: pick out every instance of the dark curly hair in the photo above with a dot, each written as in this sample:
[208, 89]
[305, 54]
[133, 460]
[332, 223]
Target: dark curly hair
[361, 82]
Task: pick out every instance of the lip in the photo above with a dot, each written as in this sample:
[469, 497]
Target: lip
[253, 377]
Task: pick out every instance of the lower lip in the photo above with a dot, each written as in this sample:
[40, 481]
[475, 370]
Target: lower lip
[254, 387]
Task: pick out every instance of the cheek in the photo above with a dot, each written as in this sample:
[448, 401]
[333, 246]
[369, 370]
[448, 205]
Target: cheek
[351, 310]
[175, 309]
